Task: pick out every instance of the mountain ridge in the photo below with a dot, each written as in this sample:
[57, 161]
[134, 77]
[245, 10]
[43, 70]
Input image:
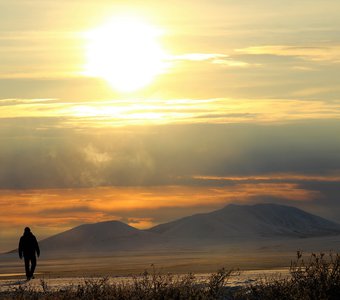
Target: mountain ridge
[107, 236]
[259, 220]
[219, 227]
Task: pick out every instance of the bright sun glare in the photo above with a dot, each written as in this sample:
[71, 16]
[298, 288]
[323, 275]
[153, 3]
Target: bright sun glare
[125, 52]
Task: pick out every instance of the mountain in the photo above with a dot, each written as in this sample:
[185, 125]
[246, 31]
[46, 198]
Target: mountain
[102, 236]
[231, 224]
[248, 221]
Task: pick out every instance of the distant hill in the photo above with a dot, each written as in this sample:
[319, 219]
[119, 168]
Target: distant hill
[229, 224]
[102, 236]
[248, 221]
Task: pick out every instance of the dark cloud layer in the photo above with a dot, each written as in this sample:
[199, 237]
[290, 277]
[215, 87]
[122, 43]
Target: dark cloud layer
[34, 156]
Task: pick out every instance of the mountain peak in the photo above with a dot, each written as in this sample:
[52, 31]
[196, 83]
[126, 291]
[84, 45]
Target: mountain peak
[101, 236]
[249, 222]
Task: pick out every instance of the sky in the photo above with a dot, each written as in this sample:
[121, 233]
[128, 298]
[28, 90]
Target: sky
[148, 111]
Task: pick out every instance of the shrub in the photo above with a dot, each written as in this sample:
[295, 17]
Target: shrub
[318, 278]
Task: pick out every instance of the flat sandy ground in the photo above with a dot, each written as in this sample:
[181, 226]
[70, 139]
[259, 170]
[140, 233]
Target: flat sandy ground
[59, 272]
[253, 261]
[132, 263]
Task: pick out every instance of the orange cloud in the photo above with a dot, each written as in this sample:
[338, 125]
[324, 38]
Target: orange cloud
[65, 207]
[273, 177]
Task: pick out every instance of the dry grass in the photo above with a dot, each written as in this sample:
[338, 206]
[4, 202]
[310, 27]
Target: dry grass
[149, 286]
[317, 278]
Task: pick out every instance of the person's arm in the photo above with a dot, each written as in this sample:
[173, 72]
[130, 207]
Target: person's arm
[20, 250]
[37, 249]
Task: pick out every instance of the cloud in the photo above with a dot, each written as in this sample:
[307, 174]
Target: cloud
[14, 102]
[48, 211]
[317, 91]
[275, 177]
[141, 223]
[43, 153]
[199, 56]
[118, 113]
[328, 53]
[96, 157]
[213, 58]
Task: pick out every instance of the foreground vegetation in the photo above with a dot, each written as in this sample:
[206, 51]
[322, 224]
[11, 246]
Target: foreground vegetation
[317, 278]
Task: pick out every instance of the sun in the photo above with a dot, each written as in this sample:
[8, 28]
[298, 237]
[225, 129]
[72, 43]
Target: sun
[126, 52]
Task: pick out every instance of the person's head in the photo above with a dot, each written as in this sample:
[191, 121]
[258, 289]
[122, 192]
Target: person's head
[27, 230]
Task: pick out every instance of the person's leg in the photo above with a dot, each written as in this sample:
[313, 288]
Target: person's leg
[33, 265]
[27, 267]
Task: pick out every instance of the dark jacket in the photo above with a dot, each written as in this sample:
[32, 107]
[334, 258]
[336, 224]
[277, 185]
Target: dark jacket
[28, 245]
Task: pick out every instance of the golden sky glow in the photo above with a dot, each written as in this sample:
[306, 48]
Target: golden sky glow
[126, 112]
[148, 111]
[52, 210]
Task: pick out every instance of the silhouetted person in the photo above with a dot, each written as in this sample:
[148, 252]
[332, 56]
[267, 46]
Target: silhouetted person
[28, 246]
